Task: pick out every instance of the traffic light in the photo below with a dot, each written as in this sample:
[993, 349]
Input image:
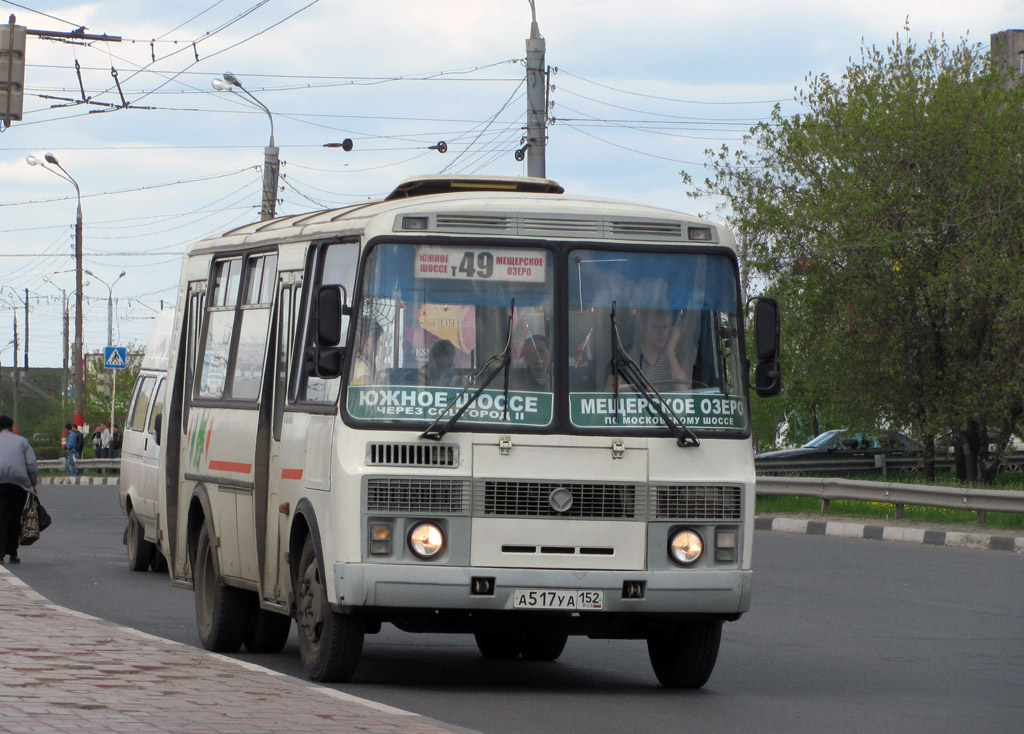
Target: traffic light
[12, 72]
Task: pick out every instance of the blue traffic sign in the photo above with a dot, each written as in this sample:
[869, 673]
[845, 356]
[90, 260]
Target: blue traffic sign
[115, 358]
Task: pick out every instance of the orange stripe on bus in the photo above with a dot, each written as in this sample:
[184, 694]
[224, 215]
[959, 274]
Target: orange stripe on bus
[231, 466]
[291, 474]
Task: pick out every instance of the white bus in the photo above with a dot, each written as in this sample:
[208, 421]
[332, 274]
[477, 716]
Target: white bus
[477, 406]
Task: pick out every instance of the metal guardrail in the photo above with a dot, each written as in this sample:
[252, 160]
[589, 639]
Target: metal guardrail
[894, 493]
[867, 464]
[824, 488]
[59, 466]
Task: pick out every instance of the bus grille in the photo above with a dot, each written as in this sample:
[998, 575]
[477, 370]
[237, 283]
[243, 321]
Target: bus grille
[703, 502]
[417, 494]
[498, 498]
[411, 454]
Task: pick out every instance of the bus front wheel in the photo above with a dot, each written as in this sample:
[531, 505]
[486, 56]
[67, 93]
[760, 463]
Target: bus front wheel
[499, 645]
[544, 646]
[330, 643]
[222, 612]
[684, 654]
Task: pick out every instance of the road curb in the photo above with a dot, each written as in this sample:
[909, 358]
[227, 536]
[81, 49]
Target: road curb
[899, 534]
[113, 480]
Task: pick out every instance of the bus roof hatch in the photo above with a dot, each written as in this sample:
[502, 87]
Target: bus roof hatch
[440, 184]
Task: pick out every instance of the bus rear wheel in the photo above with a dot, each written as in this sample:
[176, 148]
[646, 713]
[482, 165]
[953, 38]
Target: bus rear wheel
[140, 550]
[684, 654]
[222, 612]
[330, 643]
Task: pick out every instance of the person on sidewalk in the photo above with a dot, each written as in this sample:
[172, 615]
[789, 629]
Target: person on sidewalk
[72, 444]
[19, 475]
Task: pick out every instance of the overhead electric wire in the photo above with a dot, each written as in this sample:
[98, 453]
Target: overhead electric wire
[670, 99]
[129, 191]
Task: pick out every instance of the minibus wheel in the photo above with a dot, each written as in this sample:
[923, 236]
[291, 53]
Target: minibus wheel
[140, 550]
[684, 654]
[330, 643]
[222, 612]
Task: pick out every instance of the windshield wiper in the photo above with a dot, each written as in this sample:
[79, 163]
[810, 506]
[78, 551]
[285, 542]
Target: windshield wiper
[504, 362]
[623, 364]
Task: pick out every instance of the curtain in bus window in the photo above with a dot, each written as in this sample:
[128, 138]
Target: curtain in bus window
[214, 372]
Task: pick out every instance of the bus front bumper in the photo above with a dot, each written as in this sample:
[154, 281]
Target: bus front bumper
[720, 592]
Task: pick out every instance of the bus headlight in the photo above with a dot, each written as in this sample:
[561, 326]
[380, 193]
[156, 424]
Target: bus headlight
[426, 540]
[685, 547]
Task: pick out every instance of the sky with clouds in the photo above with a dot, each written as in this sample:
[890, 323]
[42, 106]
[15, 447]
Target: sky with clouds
[641, 91]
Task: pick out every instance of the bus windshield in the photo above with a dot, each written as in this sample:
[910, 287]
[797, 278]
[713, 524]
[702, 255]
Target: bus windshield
[670, 316]
[432, 317]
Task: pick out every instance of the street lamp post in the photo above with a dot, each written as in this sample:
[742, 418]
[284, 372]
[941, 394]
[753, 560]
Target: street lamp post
[79, 374]
[110, 332]
[271, 157]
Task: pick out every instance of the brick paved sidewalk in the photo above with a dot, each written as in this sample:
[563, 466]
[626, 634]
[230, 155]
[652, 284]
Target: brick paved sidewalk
[64, 671]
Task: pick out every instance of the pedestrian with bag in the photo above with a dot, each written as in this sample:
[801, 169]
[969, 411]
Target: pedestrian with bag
[19, 475]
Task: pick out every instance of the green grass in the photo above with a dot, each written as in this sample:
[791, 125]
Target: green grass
[1009, 481]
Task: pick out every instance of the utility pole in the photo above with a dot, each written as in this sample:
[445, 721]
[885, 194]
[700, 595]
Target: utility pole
[26, 330]
[536, 100]
[14, 371]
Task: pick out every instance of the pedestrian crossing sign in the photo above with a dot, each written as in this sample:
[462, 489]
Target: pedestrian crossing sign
[115, 358]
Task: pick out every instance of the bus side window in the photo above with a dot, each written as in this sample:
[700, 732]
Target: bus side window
[338, 263]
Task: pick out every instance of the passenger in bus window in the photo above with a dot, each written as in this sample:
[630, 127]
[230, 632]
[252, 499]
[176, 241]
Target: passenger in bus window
[439, 369]
[363, 371]
[535, 373]
[655, 351]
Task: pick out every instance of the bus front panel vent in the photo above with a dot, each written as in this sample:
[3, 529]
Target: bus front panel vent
[412, 454]
[398, 495]
[696, 502]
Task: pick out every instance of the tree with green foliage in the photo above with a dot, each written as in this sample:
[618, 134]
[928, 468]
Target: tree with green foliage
[888, 219]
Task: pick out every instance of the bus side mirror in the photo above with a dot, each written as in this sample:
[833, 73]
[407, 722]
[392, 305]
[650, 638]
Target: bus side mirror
[331, 305]
[158, 421]
[767, 375]
[325, 358]
[324, 362]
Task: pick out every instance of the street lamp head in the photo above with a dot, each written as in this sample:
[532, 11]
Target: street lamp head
[33, 161]
[232, 79]
[51, 159]
[123, 273]
[220, 85]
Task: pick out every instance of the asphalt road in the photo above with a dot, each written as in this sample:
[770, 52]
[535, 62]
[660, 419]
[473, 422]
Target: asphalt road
[843, 636]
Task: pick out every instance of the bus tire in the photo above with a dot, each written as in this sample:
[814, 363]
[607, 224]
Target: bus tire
[684, 655]
[330, 643]
[140, 550]
[544, 646]
[268, 632]
[222, 612]
[498, 645]
[159, 562]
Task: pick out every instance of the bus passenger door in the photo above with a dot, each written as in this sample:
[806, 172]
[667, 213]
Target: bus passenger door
[282, 473]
